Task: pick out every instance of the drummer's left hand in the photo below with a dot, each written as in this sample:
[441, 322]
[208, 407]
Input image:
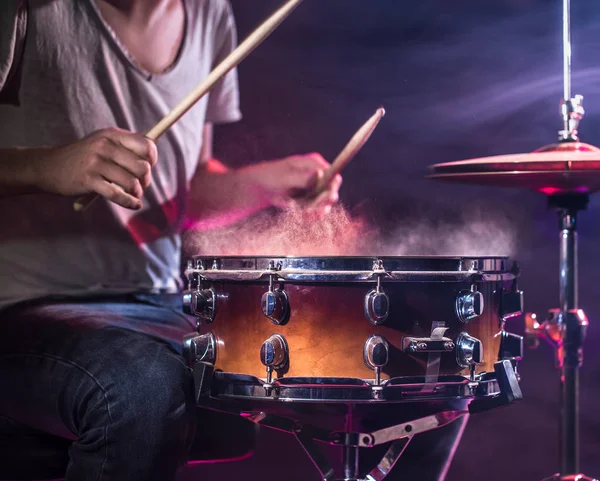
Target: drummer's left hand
[286, 183]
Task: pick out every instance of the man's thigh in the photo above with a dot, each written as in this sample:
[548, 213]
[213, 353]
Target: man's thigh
[52, 355]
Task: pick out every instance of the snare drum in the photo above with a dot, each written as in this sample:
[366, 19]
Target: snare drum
[352, 329]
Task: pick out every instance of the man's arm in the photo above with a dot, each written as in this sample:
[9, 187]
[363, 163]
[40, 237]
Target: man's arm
[220, 196]
[96, 163]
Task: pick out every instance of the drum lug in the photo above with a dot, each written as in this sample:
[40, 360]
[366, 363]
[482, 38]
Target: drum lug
[200, 348]
[469, 305]
[275, 303]
[376, 354]
[274, 354]
[377, 304]
[202, 303]
[469, 350]
[511, 304]
[511, 346]
[187, 303]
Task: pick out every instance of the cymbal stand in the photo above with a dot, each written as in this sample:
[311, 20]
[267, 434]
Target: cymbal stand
[565, 327]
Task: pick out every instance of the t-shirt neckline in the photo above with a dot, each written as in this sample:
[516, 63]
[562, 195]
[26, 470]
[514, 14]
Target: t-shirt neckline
[129, 58]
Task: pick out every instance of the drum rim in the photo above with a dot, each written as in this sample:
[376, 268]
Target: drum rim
[356, 268]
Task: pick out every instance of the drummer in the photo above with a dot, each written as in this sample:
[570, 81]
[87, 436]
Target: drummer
[91, 322]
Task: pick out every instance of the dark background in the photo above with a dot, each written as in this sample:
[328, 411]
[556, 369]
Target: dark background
[459, 79]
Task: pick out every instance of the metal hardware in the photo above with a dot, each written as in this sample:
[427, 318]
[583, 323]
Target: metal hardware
[202, 374]
[274, 354]
[414, 345]
[469, 350]
[572, 321]
[511, 304]
[572, 112]
[376, 354]
[469, 305]
[275, 306]
[511, 346]
[570, 477]
[377, 302]
[187, 303]
[200, 348]
[400, 435]
[331, 269]
[344, 390]
[304, 438]
[534, 330]
[508, 383]
[201, 303]
[564, 331]
[357, 439]
[275, 303]
[389, 460]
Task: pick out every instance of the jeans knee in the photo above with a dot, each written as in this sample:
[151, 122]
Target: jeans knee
[150, 393]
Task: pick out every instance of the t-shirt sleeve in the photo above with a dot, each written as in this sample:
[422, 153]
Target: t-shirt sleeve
[13, 22]
[224, 98]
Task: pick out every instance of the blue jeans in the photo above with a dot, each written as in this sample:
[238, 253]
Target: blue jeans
[106, 378]
[106, 374]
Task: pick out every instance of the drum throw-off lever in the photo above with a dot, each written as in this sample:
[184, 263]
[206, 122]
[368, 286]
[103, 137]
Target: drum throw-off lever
[510, 391]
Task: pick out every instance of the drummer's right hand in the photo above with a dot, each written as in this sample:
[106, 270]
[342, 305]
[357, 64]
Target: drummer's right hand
[102, 162]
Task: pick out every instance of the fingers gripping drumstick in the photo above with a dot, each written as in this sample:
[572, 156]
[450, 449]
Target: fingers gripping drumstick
[234, 58]
[349, 151]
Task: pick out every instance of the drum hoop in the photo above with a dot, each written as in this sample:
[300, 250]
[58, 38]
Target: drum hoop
[358, 391]
[352, 269]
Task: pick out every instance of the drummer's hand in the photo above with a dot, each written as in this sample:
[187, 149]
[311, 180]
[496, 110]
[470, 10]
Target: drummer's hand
[287, 183]
[99, 163]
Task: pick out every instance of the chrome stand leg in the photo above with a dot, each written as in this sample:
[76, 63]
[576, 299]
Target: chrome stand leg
[389, 460]
[350, 462]
[571, 477]
[304, 436]
[312, 450]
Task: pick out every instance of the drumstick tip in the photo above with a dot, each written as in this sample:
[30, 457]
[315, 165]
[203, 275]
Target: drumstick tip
[381, 111]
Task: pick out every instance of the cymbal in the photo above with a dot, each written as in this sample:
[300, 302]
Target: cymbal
[566, 167]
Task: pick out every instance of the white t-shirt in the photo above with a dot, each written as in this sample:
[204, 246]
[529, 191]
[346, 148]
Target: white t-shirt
[74, 78]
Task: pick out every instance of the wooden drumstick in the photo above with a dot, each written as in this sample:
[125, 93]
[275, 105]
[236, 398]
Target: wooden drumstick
[349, 151]
[232, 60]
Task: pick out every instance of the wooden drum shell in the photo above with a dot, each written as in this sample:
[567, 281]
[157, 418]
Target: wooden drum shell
[327, 327]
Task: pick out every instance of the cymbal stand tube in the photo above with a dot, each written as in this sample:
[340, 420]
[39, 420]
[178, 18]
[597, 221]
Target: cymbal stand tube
[571, 108]
[572, 325]
[570, 373]
[566, 53]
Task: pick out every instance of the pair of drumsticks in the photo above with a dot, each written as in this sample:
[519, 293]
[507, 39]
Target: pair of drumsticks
[231, 61]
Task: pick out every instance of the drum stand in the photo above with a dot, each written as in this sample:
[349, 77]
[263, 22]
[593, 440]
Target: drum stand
[351, 442]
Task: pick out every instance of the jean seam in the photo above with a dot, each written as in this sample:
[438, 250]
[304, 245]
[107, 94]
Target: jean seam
[84, 371]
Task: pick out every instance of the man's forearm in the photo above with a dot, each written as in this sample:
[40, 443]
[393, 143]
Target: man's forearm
[18, 171]
[220, 196]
